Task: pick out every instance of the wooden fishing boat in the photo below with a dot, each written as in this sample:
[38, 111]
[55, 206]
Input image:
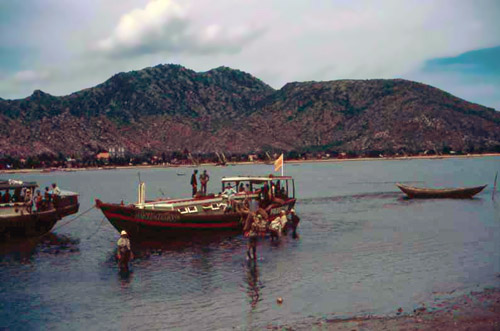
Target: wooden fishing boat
[449, 193]
[20, 218]
[168, 218]
[66, 203]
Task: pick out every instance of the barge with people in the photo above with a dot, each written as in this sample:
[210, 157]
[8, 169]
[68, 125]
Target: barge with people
[226, 211]
[26, 214]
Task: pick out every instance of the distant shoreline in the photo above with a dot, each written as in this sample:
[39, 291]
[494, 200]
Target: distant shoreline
[398, 158]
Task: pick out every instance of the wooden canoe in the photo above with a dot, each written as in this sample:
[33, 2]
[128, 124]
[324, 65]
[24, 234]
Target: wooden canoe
[444, 193]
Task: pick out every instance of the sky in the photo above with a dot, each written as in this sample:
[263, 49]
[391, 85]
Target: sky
[62, 46]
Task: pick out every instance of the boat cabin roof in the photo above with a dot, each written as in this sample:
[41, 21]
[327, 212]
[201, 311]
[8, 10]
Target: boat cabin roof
[255, 179]
[13, 184]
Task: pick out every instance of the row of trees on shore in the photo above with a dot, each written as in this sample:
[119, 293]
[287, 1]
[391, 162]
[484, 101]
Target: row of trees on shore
[60, 160]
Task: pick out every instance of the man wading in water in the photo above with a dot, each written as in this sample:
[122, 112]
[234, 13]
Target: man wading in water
[124, 253]
[251, 230]
[294, 222]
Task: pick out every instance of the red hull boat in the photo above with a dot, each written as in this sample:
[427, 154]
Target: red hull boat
[167, 218]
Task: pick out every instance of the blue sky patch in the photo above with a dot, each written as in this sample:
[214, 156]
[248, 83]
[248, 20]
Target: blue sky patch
[484, 61]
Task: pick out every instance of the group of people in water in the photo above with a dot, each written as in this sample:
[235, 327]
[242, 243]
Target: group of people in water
[256, 217]
[25, 195]
[257, 225]
[254, 213]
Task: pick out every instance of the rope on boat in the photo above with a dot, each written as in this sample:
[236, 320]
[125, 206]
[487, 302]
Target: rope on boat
[74, 219]
[494, 187]
[102, 221]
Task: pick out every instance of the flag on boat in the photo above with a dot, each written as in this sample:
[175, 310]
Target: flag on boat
[278, 164]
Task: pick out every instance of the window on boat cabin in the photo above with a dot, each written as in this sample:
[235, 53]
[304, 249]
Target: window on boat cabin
[17, 194]
[280, 188]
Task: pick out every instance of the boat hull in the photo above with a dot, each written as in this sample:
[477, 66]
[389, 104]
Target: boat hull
[66, 204]
[148, 223]
[163, 224]
[449, 193]
[28, 225]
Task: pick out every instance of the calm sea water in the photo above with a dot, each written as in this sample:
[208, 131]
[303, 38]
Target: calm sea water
[363, 249]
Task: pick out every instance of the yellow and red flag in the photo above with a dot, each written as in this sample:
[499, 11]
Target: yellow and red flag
[278, 164]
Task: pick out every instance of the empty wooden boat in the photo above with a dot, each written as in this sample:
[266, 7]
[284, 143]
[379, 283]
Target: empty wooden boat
[443, 193]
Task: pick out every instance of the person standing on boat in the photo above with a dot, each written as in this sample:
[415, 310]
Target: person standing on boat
[47, 194]
[38, 201]
[27, 195]
[55, 189]
[194, 182]
[204, 178]
[124, 253]
[265, 195]
[6, 196]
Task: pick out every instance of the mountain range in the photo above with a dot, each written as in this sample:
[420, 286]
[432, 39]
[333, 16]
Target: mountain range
[171, 108]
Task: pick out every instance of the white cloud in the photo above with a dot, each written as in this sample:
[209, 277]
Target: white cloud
[83, 43]
[165, 26]
[30, 76]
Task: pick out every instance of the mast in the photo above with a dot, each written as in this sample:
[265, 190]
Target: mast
[193, 159]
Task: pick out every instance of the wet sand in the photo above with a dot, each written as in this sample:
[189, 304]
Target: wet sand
[474, 311]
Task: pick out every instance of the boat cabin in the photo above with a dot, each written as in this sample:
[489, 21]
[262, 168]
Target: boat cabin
[15, 196]
[282, 187]
[256, 188]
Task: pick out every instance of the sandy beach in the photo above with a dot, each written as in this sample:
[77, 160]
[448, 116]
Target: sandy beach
[474, 311]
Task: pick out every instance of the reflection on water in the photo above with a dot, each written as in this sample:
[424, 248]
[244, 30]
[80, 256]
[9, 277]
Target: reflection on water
[363, 249]
[23, 250]
[252, 280]
[125, 276]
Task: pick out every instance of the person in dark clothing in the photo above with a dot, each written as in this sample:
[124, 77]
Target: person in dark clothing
[38, 201]
[194, 182]
[294, 223]
[6, 196]
[47, 196]
[17, 195]
[265, 195]
[250, 230]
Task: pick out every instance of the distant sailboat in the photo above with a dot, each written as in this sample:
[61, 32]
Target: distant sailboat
[221, 161]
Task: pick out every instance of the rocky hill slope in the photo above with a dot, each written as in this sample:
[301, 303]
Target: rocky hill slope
[170, 108]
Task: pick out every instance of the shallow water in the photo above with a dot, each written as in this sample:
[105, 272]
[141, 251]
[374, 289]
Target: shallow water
[363, 249]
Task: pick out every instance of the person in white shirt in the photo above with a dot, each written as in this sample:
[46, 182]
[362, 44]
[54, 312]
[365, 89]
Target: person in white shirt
[277, 225]
[124, 253]
[55, 189]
